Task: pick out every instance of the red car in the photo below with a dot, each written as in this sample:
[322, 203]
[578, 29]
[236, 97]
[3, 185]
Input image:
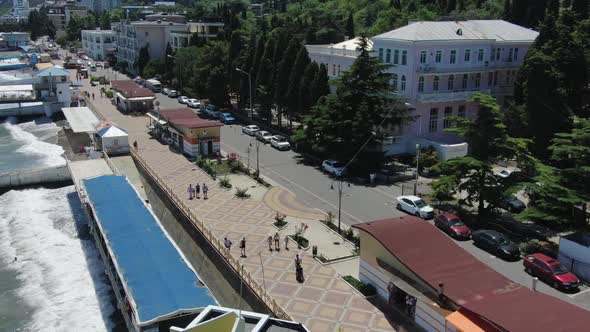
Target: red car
[452, 225]
[550, 271]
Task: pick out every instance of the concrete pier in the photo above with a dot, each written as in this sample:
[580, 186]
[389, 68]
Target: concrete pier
[29, 177]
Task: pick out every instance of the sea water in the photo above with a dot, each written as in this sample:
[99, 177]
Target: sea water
[57, 282]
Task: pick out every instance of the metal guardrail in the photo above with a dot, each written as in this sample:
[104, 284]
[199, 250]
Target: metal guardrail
[246, 277]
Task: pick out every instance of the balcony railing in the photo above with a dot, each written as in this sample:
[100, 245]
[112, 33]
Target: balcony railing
[439, 68]
[443, 96]
[323, 49]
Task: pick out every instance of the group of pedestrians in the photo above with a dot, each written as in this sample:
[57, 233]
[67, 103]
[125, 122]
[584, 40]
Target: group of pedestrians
[195, 192]
[277, 241]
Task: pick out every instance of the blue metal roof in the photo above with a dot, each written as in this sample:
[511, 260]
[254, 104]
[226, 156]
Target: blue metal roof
[158, 279]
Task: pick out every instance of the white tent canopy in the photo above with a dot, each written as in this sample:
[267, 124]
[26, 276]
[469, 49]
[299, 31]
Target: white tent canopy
[114, 140]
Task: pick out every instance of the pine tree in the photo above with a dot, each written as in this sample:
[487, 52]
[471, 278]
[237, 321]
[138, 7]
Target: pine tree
[235, 48]
[320, 86]
[293, 102]
[283, 74]
[349, 30]
[581, 7]
[258, 52]
[305, 92]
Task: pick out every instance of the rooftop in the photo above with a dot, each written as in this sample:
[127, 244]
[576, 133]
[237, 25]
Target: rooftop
[470, 283]
[130, 89]
[186, 117]
[497, 30]
[158, 280]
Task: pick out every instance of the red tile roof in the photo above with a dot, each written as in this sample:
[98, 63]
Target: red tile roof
[186, 117]
[470, 283]
[130, 89]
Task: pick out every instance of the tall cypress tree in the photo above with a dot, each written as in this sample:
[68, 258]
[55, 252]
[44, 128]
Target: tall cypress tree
[320, 86]
[350, 26]
[581, 7]
[235, 48]
[294, 105]
[283, 74]
[305, 92]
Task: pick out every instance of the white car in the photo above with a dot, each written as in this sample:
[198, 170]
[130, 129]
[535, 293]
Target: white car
[194, 103]
[279, 142]
[250, 130]
[263, 136]
[334, 167]
[183, 99]
[504, 174]
[165, 91]
[416, 206]
[172, 93]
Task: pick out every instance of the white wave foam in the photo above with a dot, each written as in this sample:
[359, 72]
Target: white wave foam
[31, 136]
[62, 275]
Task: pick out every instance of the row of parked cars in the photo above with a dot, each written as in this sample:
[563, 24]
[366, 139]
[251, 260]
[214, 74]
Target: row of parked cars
[276, 141]
[545, 268]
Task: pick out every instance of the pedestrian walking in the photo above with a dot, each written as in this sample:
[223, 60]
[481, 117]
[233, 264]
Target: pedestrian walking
[243, 247]
[277, 242]
[270, 243]
[297, 260]
[286, 242]
[205, 190]
[135, 145]
[298, 269]
[190, 191]
[198, 191]
[227, 242]
[93, 96]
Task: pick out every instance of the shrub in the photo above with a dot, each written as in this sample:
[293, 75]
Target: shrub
[109, 94]
[279, 217]
[242, 192]
[225, 182]
[365, 289]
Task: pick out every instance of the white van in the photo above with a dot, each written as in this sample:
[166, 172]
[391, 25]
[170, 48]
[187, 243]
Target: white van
[153, 85]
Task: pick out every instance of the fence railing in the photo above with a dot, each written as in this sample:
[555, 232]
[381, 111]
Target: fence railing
[246, 277]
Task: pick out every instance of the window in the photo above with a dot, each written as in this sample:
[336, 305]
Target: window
[490, 78]
[453, 58]
[498, 51]
[495, 78]
[510, 53]
[394, 81]
[423, 57]
[448, 113]
[404, 57]
[461, 111]
[433, 124]
[388, 56]
[493, 55]
[467, 55]
[438, 57]
[480, 55]
[396, 56]
[403, 86]
[435, 84]
[421, 84]
[381, 54]
[451, 82]
[477, 80]
[464, 82]
[516, 54]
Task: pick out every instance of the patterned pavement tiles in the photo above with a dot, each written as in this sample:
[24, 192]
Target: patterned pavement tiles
[323, 302]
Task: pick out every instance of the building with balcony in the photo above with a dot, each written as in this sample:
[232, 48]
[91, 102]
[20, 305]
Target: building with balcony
[97, 43]
[130, 37]
[14, 39]
[60, 16]
[437, 67]
[207, 27]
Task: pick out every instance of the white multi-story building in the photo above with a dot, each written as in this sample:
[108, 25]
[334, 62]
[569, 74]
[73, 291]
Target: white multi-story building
[20, 8]
[97, 43]
[437, 67]
[130, 37]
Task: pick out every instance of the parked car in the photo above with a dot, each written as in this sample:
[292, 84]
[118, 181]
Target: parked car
[227, 118]
[415, 205]
[250, 129]
[504, 174]
[496, 243]
[452, 225]
[172, 93]
[165, 91]
[525, 229]
[194, 103]
[334, 167]
[212, 111]
[511, 204]
[550, 271]
[183, 99]
[263, 136]
[279, 142]
[99, 65]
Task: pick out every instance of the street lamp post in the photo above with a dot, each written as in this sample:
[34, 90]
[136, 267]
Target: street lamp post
[417, 168]
[250, 88]
[257, 155]
[179, 76]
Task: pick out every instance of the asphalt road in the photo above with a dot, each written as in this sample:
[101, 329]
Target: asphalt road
[359, 203]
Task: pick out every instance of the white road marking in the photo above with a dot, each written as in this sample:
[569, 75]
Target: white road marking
[578, 293]
[298, 186]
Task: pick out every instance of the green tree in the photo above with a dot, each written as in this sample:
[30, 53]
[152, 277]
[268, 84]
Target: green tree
[210, 72]
[105, 21]
[294, 106]
[184, 61]
[235, 48]
[154, 67]
[305, 92]
[142, 59]
[50, 30]
[320, 86]
[283, 75]
[349, 29]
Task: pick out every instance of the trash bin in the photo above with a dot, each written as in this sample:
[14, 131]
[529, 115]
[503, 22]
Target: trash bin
[314, 250]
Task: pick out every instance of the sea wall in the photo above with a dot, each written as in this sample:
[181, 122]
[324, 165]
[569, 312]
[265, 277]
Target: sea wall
[36, 176]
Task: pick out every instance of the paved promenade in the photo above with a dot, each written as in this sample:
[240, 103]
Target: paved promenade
[324, 302]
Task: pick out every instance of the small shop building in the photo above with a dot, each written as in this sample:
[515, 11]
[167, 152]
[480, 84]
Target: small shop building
[420, 271]
[190, 134]
[131, 97]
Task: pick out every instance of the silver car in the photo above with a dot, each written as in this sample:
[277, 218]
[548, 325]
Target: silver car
[263, 136]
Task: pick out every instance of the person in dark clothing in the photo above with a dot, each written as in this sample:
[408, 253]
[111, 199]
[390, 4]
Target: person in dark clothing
[243, 247]
[198, 190]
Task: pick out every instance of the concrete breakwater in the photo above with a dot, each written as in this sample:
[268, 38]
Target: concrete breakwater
[29, 177]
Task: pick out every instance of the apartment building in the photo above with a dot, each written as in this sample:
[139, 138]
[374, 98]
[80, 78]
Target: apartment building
[60, 16]
[97, 43]
[130, 37]
[437, 67]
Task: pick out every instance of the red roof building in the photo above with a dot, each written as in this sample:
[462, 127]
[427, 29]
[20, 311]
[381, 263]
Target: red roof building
[132, 97]
[414, 253]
